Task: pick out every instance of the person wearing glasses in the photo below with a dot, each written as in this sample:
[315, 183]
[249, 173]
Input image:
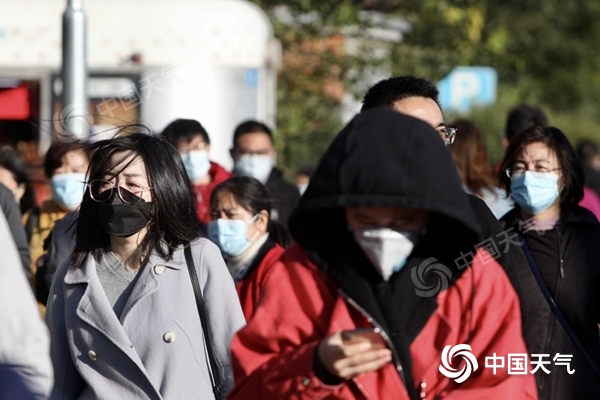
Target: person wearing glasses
[560, 243]
[191, 141]
[122, 311]
[418, 98]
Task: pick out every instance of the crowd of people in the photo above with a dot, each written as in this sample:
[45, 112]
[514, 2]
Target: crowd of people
[162, 275]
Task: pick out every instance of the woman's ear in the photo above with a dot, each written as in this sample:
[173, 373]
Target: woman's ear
[262, 221]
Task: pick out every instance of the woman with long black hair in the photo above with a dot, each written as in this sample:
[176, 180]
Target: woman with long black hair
[123, 312]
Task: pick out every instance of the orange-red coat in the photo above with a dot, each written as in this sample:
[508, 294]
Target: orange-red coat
[202, 193]
[249, 288]
[273, 355]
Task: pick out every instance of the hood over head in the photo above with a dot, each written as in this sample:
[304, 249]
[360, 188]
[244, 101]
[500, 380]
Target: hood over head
[383, 158]
[387, 159]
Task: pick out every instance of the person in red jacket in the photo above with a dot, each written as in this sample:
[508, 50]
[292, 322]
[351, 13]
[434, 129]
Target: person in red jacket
[382, 235]
[191, 141]
[250, 241]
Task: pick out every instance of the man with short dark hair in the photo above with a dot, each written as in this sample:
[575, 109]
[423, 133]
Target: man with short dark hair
[413, 96]
[191, 141]
[418, 98]
[255, 156]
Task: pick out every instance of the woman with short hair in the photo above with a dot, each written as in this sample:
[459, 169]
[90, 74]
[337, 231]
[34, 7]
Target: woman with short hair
[560, 242]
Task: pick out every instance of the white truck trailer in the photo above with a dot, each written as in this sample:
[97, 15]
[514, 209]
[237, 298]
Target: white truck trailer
[148, 60]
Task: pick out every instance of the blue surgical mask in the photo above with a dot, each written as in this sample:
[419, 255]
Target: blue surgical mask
[534, 191]
[68, 189]
[231, 235]
[196, 164]
[256, 166]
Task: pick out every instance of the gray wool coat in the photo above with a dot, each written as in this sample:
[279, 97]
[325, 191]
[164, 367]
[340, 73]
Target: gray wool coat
[156, 349]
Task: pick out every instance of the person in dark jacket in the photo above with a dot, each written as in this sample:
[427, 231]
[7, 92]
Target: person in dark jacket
[249, 240]
[11, 211]
[255, 156]
[374, 220]
[544, 177]
[418, 98]
[15, 176]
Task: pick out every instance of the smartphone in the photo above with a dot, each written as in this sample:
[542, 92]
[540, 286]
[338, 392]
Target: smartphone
[372, 335]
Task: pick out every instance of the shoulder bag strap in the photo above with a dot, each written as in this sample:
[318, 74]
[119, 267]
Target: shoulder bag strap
[215, 376]
[554, 308]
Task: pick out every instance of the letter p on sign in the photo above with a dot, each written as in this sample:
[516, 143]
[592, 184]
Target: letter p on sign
[468, 86]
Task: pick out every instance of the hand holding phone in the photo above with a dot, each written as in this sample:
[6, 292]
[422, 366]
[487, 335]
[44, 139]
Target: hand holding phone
[363, 350]
[359, 335]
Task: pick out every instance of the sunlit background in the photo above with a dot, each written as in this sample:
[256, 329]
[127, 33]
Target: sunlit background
[300, 65]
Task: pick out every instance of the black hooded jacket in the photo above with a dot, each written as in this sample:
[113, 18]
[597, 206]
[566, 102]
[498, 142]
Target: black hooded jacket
[383, 158]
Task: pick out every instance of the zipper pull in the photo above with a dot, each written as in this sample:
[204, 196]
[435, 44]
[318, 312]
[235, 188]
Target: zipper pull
[562, 270]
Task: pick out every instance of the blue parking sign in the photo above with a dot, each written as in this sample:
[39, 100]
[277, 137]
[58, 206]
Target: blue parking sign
[468, 86]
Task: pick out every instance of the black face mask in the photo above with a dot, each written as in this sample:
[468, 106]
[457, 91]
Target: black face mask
[120, 219]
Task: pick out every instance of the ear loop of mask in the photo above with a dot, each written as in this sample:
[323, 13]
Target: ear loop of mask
[251, 221]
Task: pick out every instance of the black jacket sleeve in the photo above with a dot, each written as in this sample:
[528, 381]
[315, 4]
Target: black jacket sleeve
[491, 228]
[10, 208]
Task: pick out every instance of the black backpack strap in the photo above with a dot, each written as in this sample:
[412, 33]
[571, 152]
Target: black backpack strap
[554, 308]
[215, 376]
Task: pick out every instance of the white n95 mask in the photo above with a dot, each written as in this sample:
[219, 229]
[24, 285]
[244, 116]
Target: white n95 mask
[387, 249]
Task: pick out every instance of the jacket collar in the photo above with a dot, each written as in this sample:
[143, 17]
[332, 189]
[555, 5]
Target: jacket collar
[88, 268]
[569, 214]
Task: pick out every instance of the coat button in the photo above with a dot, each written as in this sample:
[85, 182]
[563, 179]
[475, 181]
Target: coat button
[92, 355]
[159, 269]
[169, 337]
[306, 381]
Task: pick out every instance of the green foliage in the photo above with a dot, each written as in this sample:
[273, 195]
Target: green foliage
[545, 52]
[316, 69]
